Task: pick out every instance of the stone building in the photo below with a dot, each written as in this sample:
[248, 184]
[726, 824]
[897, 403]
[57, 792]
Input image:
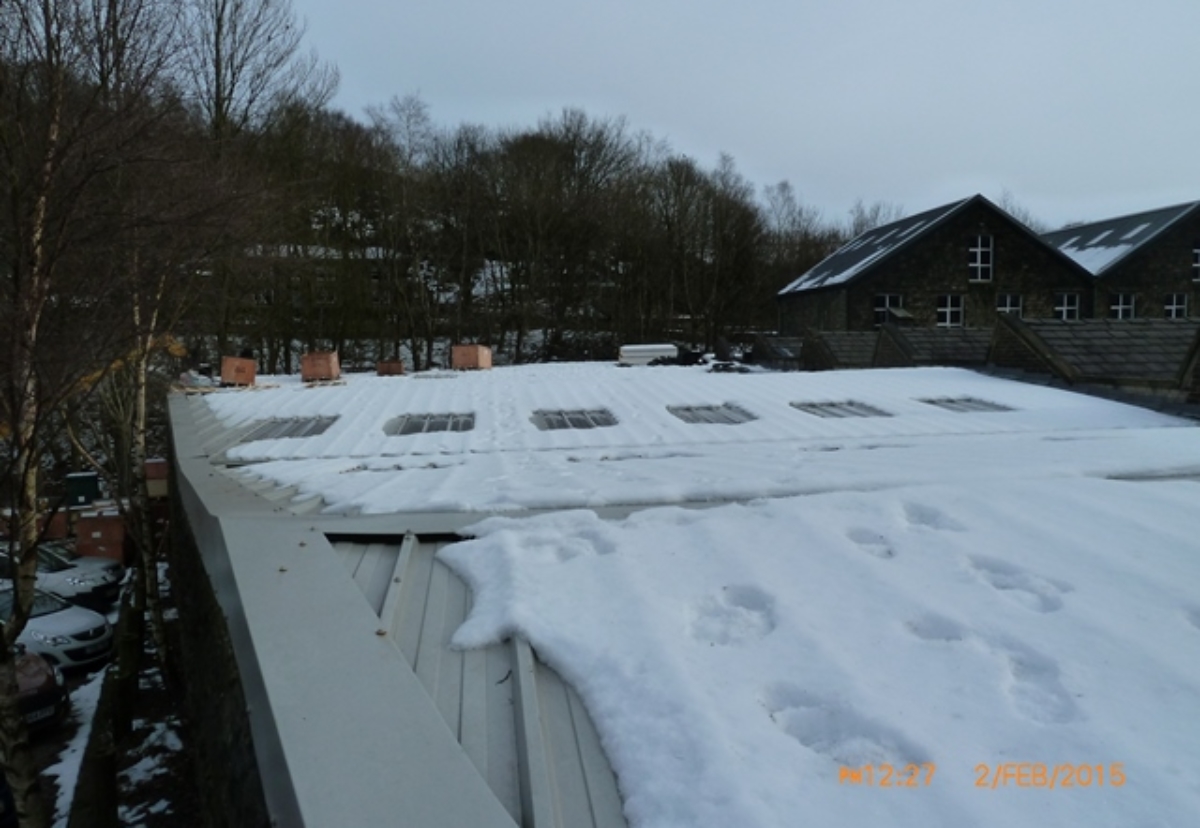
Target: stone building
[954, 266]
[1145, 265]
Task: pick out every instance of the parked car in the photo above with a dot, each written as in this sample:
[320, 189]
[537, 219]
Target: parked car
[42, 690]
[64, 634]
[90, 585]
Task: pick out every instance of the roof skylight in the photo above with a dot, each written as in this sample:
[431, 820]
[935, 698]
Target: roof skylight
[555, 419]
[848, 408]
[425, 423]
[966, 405]
[727, 414]
[275, 429]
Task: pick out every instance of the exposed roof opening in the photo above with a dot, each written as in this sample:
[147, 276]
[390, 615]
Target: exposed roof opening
[275, 429]
[847, 408]
[555, 419]
[426, 423]
[966, 405]
[726, 414]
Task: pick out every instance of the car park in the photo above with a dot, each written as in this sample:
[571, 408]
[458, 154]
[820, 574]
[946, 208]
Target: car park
[66, 635]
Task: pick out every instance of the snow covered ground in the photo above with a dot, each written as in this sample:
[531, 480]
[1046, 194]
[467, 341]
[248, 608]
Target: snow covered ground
[929, 618]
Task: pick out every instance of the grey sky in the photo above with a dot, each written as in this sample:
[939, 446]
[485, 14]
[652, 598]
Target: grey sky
[1081, 109]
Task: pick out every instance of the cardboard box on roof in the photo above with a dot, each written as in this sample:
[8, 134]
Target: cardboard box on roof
[390, 368]
[470, 357]
[319, 365]
[237, 371]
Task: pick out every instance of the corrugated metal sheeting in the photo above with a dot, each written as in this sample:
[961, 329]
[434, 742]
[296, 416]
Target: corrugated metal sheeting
[524, 729]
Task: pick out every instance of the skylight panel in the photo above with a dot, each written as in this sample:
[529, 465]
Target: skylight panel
[275, 429]
[965, 405]
[1101, 237]
[1135, 231]
[727, 414]
[407, 424]
[557, 419]
[912, 229]
[847, 408]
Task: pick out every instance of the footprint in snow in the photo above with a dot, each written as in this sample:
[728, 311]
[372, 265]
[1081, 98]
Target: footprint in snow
[1027, 589]
[873, 543]
[831, 728]
[734, 615]
[1032, 681]
[927, 517]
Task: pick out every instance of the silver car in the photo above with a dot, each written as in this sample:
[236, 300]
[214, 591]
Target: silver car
[65, 635]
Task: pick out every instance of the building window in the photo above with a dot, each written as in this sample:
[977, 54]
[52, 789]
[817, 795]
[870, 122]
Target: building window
[885, 302]
[1196, 262]
[1009, 303]
[1066, 306]
[1120, 306]
[1175, 306]
[950, 311]
[980, 259]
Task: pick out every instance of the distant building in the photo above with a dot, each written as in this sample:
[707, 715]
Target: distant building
[955, 266]
[1145, 265]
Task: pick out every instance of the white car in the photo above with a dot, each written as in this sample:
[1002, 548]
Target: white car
[65, 635]
[92, 585]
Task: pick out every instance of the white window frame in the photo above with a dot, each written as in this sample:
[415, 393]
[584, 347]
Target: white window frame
[1066, 306]
[1121, 306]
[884, 302]
[950, 312]
[1010, 303]
[1175, 306]
[980, 259]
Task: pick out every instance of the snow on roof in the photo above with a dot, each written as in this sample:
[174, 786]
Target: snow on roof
[939, 600]
[867, 248]
[1099, 245]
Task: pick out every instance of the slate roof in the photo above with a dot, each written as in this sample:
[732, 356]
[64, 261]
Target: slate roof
[1100, 245]
[849, 349]
[1109, 350]
[866, 249]
[944, 346]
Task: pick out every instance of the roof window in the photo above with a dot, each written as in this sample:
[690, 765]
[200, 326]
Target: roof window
[275, 429]
[407, 424]
[727, 414]
[965, 405]
[556, 419]
[848, 408]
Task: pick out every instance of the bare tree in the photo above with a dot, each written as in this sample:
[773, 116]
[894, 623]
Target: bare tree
[243, 63]
[1009, 204]
[864, 217]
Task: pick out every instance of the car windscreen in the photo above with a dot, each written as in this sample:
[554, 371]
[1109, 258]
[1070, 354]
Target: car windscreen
[43, 604]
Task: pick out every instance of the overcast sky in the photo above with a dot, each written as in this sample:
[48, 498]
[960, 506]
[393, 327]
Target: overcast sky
[1081, 109]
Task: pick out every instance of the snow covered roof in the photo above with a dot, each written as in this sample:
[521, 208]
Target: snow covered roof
[867, 249]
[1101, 244]
[957, 580]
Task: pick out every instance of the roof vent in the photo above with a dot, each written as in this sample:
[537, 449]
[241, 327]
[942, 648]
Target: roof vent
[966, 405]
[275, 429]
[407, 424]
[556, 419]
[727, 414]
[849, 408]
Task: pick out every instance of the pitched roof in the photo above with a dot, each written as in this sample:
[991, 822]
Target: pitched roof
[1150, 351]
[849, 349]
[867, 249]
[945, 346]
[1101, 244]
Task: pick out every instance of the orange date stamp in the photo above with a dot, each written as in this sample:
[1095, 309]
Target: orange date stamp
[1050, 777]
[888, 776]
